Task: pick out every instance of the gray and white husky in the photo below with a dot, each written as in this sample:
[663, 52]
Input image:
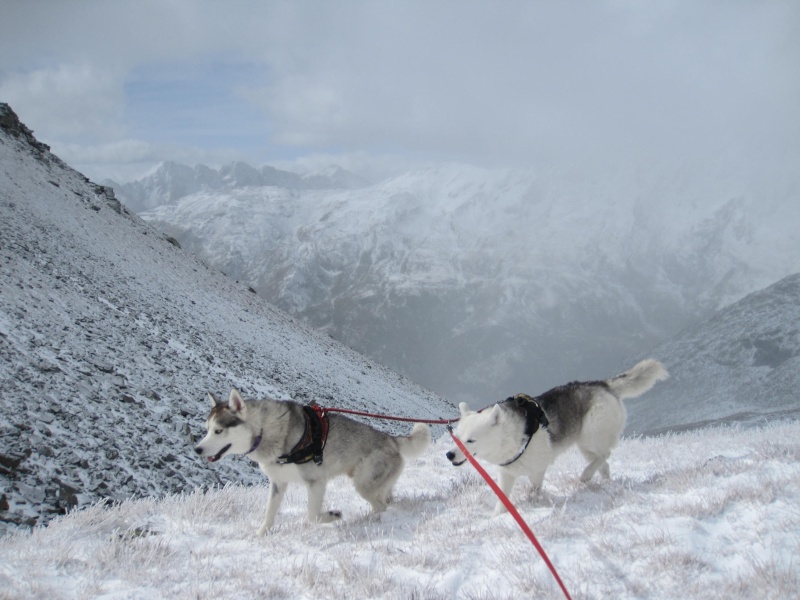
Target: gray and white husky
[524, 435]
[296, 443]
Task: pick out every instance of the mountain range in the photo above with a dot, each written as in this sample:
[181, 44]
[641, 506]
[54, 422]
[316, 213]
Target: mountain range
[171, 181]
[741, 366]
[111, 336]
[480, 283]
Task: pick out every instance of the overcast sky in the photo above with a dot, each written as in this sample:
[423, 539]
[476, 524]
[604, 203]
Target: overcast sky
[115, 87]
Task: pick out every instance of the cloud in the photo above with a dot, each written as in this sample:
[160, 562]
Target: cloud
[507, 83]
[68, 100]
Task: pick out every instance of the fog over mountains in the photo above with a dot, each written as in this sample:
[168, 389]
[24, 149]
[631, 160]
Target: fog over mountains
[110, 337]
[480, 283]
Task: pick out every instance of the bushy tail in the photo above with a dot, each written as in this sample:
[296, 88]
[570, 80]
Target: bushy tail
[636, 381]
[413, 445]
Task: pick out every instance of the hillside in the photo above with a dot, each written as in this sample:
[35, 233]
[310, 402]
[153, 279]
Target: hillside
[742, 365]
[110, 336]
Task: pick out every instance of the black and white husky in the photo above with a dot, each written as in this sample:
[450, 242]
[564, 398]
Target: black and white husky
[296, 443]
[524, 435]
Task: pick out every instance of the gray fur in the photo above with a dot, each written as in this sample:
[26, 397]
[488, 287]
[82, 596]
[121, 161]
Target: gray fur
[590, 415]
[373, 459]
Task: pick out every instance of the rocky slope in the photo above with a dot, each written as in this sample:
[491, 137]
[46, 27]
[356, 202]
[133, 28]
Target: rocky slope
[742, 365]
[110, 336]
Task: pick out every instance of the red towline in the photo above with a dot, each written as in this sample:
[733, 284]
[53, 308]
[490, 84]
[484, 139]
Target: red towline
[492, 484]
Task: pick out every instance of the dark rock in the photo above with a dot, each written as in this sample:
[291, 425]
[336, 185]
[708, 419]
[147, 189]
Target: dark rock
[12, 461]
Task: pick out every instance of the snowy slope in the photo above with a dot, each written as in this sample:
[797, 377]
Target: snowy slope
[110, 336]
[480, 283]
[742, 365]
[706, 515]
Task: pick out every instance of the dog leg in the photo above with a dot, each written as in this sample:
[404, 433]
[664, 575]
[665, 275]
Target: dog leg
[537, 480]
[375, 478]
[599, 462]
[506, 484]
[316, 494]
[276, 492]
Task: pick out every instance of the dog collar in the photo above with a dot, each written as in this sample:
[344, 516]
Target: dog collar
[313, 441]
[256, 442]
[534, 418]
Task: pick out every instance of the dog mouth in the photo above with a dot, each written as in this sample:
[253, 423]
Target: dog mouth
[451, 456]
[219, 454]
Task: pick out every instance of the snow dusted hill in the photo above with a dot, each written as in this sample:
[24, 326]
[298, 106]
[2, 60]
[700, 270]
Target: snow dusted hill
[110, 336]
[742, 365]
[481, 283]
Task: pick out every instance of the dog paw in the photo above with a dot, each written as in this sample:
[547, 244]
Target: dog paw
[327, 516]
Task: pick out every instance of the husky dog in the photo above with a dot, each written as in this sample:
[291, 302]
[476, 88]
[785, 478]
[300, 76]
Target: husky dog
[295, 443]
[524, 435]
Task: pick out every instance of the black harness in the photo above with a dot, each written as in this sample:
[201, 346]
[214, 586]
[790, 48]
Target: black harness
[313, 441]
[534, 418]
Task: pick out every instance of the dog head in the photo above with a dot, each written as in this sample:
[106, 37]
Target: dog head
[227, 432]
[482, 432]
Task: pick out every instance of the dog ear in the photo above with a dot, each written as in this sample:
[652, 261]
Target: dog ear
[494, 416]
[214, 400]
[236, 404]
[464, 409]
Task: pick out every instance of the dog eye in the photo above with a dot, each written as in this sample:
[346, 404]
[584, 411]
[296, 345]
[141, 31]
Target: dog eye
[217, 431]
[470, 441]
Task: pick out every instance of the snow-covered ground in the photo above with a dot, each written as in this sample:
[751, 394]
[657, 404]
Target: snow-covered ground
[704, 514]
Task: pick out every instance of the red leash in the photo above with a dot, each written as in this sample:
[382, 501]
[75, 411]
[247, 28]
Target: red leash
[495, 488]
[514, 513]
[390, 418]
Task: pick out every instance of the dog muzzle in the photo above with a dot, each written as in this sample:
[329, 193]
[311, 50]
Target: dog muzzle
[217, 456]
[451, 456]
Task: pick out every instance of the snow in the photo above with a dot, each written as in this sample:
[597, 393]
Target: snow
[702, 514]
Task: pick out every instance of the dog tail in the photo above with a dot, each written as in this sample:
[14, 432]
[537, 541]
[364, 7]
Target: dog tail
[413, 445]
[636, 381]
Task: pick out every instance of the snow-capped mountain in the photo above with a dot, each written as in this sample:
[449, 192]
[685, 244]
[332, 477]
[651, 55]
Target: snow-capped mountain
[169, 181]
[481, 283]
[742, 365]
[111, 335]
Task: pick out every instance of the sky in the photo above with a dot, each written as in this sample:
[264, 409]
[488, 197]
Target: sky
[115, 87]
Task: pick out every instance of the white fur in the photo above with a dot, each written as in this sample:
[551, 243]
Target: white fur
[497, 435]
[372, 459]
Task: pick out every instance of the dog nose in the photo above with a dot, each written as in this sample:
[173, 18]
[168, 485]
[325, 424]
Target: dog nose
[198, 450]
[450, 455]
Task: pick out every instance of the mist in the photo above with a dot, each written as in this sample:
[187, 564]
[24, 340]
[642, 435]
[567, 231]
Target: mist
[584, 85]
